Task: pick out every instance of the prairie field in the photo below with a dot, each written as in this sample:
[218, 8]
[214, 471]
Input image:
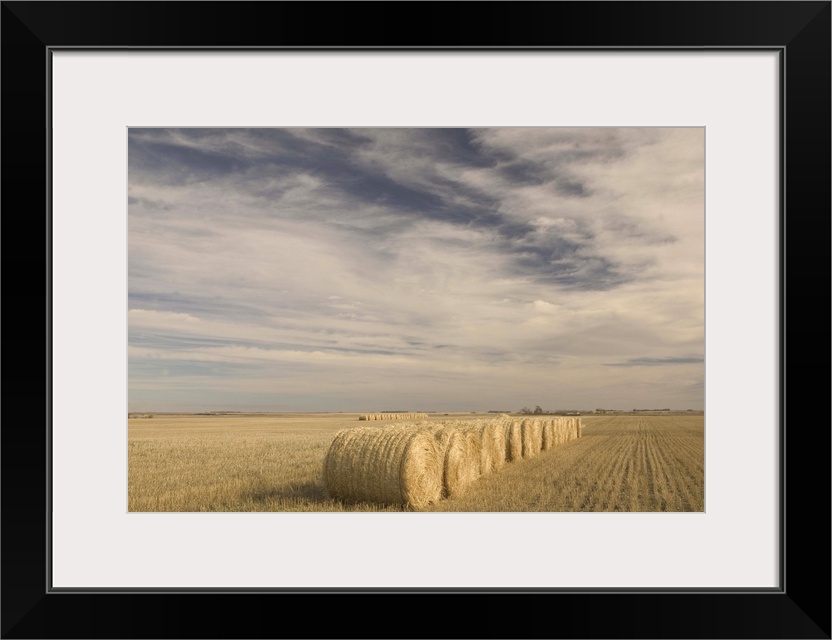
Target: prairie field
[273, 462]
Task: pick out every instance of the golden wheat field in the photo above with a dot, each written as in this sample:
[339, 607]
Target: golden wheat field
[274, 462]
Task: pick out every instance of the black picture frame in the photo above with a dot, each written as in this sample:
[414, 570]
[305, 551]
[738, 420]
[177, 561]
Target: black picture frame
[799, 608]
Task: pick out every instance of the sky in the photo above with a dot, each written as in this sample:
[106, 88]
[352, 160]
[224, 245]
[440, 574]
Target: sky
[418, 269]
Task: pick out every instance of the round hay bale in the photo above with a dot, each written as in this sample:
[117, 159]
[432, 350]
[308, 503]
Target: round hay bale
[498, 456]
[560, 431]
[548, 434]
[487, 446]
[442, 436]
[537, 434]
[492, 446]
[531, 437]
[473, 434]
[396, 465]
[514, 441]
[462, 460]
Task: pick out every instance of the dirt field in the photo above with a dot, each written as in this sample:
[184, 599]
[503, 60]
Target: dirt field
[273, 462]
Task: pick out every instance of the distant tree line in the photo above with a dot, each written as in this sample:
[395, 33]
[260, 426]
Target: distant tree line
[537, 410]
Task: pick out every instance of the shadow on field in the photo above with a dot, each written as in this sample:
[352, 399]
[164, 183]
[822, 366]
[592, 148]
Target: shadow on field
[307, 491]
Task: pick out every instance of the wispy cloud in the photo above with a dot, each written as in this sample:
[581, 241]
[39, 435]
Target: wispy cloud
[655, 362]
[444, 268]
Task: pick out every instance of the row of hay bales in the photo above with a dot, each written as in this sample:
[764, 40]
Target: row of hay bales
[420, 463]
[393, 416]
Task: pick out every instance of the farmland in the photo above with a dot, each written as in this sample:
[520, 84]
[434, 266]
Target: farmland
[274, 462]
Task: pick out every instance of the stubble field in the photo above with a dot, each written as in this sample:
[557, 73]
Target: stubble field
[273, 462]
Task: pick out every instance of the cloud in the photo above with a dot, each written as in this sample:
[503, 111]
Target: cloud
[653, 362]
[406, 259]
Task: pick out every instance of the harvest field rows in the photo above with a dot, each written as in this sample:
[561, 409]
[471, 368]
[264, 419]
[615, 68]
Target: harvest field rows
[273, 462]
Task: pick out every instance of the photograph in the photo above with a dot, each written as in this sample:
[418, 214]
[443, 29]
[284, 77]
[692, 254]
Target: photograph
[416, 319]
[351, 305]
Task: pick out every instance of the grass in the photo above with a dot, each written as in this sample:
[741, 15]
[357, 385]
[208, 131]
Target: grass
[621, 463]
[273, 462]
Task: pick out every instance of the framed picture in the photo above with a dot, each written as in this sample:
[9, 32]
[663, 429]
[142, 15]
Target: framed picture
[445, 271]
[85, 80]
